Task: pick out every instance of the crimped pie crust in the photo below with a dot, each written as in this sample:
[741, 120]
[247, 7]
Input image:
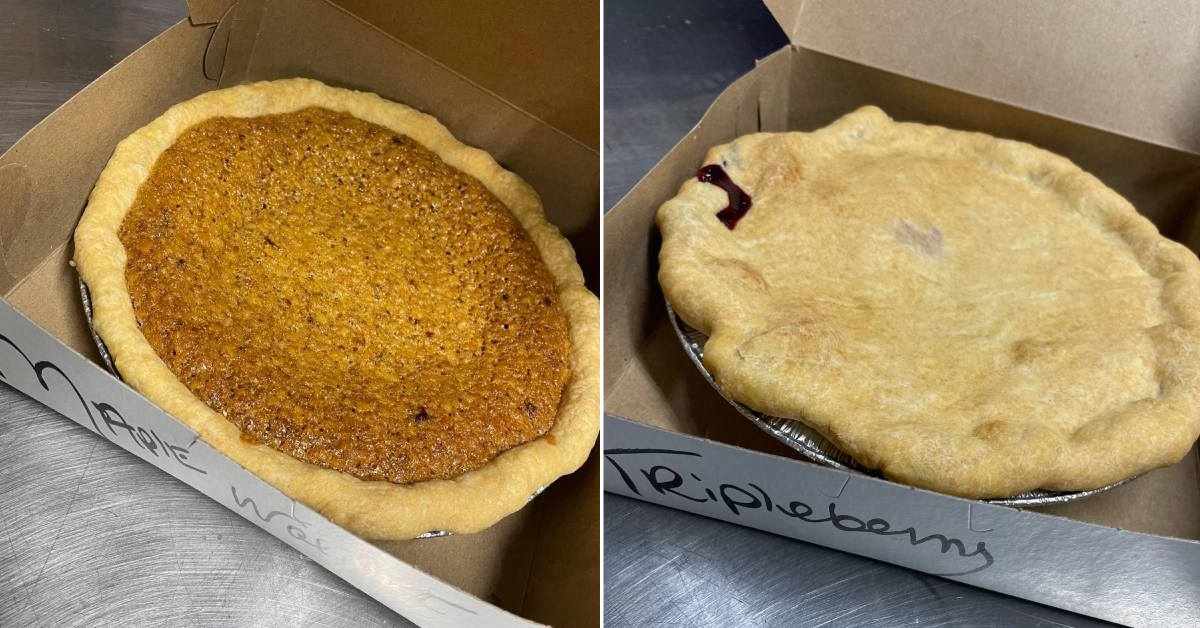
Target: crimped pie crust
[374, 509]
[963, 313]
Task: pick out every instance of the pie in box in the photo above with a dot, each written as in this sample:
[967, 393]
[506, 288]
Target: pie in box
[962, 313]
[358, 308]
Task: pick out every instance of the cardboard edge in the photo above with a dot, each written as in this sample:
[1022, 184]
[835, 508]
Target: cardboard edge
[462, 76]
[861, 477]
[1075, 600]
[204, 12]
[787, 14]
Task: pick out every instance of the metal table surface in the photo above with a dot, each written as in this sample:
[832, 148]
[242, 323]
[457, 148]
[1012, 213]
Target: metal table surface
[89, 534]
[665, 61]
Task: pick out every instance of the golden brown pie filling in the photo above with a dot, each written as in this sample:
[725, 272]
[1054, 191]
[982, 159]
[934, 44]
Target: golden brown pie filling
[344, 296]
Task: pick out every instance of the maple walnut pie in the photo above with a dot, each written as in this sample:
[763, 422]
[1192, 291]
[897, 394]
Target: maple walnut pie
[960, 312]
[349, 302]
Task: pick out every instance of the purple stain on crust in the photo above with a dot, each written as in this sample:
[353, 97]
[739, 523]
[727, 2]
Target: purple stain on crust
[928, 242]
[739, 200]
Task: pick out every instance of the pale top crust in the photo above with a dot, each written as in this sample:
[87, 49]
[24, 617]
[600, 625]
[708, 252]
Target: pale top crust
[963, 313]
[373, 509]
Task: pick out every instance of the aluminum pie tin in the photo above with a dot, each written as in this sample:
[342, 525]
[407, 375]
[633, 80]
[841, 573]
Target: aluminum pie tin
[816, 448]
[85, 297]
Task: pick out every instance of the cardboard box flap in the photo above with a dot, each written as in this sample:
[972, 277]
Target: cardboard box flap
[560, 53]
[1131, 67]
[558, 76]
[207, 11]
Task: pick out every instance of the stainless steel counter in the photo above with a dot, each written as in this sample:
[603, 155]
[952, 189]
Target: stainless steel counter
[664, 63]
[89, 534]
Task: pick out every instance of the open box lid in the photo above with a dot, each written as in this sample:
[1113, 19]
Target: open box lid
[552, 41]
[1129, 66]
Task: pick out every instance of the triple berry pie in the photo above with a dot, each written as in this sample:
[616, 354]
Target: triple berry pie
[959, 312]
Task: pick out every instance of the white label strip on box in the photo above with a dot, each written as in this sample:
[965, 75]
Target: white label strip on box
[1053, 560]
[38, 365]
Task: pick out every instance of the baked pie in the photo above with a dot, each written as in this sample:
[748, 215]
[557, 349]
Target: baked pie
[961, 313]
[349, 302]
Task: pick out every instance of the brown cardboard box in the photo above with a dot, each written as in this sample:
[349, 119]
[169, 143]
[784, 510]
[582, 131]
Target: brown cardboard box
[541, 563]
[1113, 89]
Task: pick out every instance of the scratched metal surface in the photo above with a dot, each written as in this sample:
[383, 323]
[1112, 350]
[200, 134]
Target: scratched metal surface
[664, 63]
[666, 567]
[89, 534]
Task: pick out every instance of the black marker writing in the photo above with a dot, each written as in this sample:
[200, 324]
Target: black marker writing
[295, 528]
[142, 438]
[738, 498]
